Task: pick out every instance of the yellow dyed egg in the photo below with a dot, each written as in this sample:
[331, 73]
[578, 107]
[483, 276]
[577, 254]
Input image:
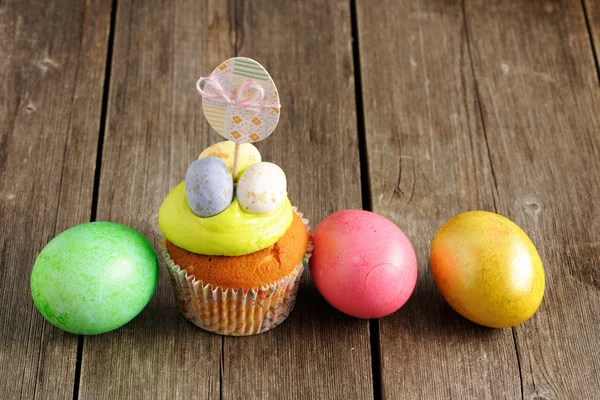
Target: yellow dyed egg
[487, 269]
[248, 155]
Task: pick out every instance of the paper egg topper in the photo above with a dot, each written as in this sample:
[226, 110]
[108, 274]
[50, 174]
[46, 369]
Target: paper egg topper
[240, 102]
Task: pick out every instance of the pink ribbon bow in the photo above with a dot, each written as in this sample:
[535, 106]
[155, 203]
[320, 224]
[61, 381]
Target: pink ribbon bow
[249, 97]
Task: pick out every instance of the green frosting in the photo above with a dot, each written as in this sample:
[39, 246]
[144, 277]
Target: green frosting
[233, 232]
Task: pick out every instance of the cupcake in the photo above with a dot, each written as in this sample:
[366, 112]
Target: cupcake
[234, 246]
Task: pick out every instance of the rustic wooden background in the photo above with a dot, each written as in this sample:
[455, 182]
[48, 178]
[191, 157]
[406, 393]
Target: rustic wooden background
[415, 109]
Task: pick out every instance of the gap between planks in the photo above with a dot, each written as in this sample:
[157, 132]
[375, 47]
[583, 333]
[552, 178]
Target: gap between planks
[365, 187]
[494, 192]
[588, 25]
[96, 188]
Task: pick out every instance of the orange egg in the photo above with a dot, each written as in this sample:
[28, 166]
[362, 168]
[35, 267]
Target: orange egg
[487, 269]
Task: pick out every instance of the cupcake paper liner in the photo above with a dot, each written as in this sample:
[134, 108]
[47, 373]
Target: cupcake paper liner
[233, 312]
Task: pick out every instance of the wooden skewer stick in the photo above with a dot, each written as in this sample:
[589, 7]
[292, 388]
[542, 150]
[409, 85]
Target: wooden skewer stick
[236, 153]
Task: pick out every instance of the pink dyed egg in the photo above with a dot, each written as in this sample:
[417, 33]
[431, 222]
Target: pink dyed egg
[363, 264]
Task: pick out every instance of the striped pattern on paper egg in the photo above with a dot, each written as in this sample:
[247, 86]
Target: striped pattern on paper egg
[262, 188]
[208, 186]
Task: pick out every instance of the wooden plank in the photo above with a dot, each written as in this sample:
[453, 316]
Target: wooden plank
[155, 127]
[428, 161]
[52, 74]
[540, 99]
[306, 46]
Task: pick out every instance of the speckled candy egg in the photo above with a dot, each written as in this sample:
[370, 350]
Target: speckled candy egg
[363, 264]
[208, 186]
[247, 155]
[262, 188]
[94, 277]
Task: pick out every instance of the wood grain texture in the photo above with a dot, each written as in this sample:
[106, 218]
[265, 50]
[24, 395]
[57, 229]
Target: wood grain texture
[154, 129]
[306, 46]
[428, 161]
[52, 72]
[540, 103]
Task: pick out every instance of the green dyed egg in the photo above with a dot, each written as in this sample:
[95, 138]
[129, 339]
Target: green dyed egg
[94, 277]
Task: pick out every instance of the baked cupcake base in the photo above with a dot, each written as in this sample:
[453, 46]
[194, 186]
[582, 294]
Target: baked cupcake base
[235, 312]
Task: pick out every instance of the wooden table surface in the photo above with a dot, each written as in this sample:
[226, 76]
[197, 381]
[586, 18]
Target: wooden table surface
[415, 109]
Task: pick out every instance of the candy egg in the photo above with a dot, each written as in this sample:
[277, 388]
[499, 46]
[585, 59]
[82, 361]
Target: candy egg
[247, 155]
[262, 188]
[94, 277]
[363, 264]
[208, 186]
[487, 269]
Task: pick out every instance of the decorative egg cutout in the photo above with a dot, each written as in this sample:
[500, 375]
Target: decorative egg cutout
[208, 186]
[238, 124]
[247, 155]
[262, 188]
